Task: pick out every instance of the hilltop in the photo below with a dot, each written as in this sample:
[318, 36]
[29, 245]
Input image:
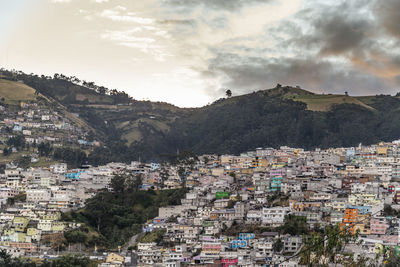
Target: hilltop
[316, 102]
[283, 115]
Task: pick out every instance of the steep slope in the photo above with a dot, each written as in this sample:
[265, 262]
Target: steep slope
[109, 113]
[274, 117]
[14, 93]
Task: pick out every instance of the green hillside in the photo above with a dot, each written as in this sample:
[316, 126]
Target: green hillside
[282, 115]
[16, 92]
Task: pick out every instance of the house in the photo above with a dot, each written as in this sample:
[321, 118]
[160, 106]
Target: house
[378, 226]
[292, 244]
[274, 215]
[115, 258]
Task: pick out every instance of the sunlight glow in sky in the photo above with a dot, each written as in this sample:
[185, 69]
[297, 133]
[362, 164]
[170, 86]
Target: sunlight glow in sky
[188, 52]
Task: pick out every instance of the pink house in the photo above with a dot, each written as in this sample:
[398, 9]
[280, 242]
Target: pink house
[378, 226]
[229, 262]
[277, 172]
[211, 248]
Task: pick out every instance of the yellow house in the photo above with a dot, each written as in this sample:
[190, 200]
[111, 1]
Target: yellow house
[31, 231]
[9, 231]
[115, 258]
[5, 243]
[337, 205]
[51, 216]
[382, 150]
[363, 199]
[259, 163]
[362, 229]
[20, 223]
[262, 163]
[277, 166]
[57, 226]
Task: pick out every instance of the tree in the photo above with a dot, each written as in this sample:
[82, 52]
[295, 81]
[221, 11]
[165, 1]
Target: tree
[17, 141]
[295, 225]
[321, 249]
[278, 245]
[6, 152]
[73, 157]
[44, 149]
[133, 183]
[228, 93]
[118, 183]
[7, 260]
[76, 236]
[71, 261]
[23, 161]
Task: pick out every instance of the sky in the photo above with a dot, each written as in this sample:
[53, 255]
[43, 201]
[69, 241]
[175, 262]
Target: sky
[189, 52]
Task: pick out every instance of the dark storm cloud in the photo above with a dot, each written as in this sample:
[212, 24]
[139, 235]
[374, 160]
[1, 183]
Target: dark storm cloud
[230, 5]
[338, 35]
[327, 46]
[332, 49]
[251, 74]
[333, 29]
[388, 13]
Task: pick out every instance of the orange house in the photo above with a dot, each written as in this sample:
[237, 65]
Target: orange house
[350, 219]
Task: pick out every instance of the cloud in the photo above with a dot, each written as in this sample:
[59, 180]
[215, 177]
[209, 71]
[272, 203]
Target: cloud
[324, 48]
[117, 14]
[145, 44]
[352, 34]
[388, 12]
[244, 74]
[229, 5]
[177, 21]
[339, 35]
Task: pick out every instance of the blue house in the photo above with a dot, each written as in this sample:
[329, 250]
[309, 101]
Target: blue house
[74, 175]
[360, 209]
[238, 243]
[246, 236]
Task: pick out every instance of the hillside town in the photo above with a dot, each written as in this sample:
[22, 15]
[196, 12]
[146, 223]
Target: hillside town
[39, 122]
[255, 209]
[200, 133]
